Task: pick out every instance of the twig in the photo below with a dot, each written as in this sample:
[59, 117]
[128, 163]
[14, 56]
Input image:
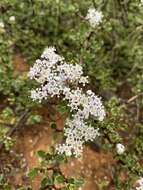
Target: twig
[103, 4]
[80, 16]
[94, 4]
[124, 13]
[58, 130]
[85, 45]
[134, 98]
[20, 122]
[138, 110]
[88, 37]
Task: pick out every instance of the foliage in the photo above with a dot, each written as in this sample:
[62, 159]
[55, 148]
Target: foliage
[52, 175]
[111, 55]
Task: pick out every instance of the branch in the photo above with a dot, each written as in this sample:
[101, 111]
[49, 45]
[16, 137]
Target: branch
[94, 4]
[80, 16]
[134, 98]
[124, 12]
[21, 121]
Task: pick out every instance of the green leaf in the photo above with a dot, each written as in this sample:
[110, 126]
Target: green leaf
[59, 178]
[60, 158]
[33, 172]
[41, 153]
[62, 108]
[7, 113]
[77, 182]
[34, 119]
[46, 181]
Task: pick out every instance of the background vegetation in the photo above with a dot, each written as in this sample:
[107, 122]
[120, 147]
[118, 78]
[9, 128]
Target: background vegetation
[112, 57]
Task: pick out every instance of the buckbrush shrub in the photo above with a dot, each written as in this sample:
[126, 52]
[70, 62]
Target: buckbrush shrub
[102, 43]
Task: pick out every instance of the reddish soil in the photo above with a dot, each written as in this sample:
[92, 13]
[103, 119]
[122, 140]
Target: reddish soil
[19, 64]
[94, 167]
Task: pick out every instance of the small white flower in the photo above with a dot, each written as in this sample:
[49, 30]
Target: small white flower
[94, 17]
[139, 184]
[1, 24]
[120, 148]
[83, 80]
[141, 3]
[12, 18]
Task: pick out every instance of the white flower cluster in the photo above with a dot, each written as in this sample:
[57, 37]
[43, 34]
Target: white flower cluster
[140, 184]
[57, 78]
[54, 75]
[94, 17]
[86, 104]
[77, 132]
